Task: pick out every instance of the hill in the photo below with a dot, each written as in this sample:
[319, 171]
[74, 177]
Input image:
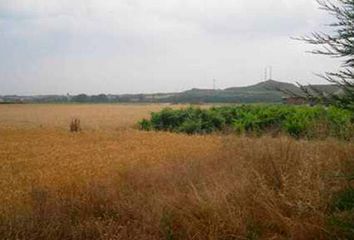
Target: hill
[264, 92]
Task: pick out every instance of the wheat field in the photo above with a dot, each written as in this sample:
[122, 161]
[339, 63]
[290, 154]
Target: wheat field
[112, 181]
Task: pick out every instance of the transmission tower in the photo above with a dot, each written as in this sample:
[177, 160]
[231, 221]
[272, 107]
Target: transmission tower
[268, 73]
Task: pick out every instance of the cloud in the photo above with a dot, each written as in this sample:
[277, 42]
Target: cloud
[158, 45]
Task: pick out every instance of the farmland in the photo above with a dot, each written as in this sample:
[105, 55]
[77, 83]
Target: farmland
[113, 181]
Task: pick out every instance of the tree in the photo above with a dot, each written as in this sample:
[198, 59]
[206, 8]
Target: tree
[101, 98]
[339, 44]
[81, 98]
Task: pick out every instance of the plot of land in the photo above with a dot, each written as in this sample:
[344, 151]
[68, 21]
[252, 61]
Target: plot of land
[94, 116]
[112, 181]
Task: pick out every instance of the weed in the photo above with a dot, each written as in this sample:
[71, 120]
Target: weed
[75, 125]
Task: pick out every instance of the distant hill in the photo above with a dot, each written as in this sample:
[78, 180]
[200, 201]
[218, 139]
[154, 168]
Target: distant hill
[269, 85]
[264, 92]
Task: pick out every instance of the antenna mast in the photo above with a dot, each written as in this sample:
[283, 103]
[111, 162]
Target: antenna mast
[268, 73]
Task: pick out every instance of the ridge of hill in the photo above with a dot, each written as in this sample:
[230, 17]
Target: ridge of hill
[270, 91]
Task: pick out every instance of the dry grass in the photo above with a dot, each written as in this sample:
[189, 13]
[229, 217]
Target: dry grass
[93, 116]
[105, 183]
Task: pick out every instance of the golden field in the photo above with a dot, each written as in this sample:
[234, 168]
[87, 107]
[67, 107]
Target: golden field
[112, 181]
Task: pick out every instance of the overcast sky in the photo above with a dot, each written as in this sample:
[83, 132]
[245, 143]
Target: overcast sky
[131, 46]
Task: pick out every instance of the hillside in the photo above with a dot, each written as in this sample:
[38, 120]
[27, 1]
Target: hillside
[264, 92]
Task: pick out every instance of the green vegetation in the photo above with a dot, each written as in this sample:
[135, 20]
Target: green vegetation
[296, 121]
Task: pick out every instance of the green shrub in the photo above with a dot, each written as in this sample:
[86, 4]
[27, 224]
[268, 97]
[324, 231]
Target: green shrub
[145, 125]
[296, 121]
[211, 120]
[190, 127]
[341, 123]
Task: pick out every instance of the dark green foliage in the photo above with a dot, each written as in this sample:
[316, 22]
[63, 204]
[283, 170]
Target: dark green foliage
[341, 208]
[344, 201]
[297, 121]
[342, 214]
[81, 98]
[190, 120]
[145, 124]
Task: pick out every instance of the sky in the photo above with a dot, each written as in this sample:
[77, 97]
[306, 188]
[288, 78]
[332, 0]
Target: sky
[145, 46]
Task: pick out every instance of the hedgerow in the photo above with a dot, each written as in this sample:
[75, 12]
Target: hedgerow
[296, 121]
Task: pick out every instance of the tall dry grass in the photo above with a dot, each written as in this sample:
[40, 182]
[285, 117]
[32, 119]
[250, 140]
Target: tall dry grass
[126, 184]
[133, 185]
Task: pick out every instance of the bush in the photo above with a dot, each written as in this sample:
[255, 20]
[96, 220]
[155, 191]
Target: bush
[145, 125]
[296, 121]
